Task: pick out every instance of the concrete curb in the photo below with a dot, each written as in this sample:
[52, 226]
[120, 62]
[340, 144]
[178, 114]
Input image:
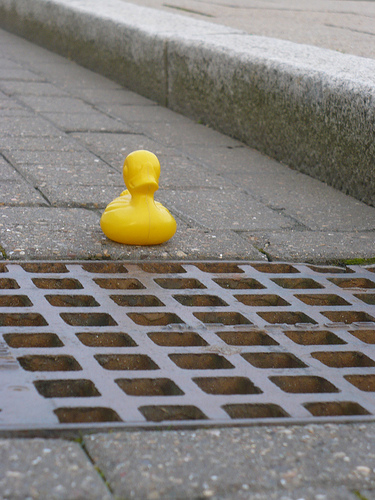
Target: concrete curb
[312, 108]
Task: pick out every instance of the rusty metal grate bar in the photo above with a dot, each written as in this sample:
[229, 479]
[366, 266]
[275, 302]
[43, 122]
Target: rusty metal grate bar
[93, 344]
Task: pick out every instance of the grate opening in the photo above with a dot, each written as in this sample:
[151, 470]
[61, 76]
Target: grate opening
[22, 340]
[119, 283]
[273, 360]
[316, 337]
[200, 300]
[137, 300]
[45, 267]
[126, 362]
[219, 267]
[303, 384]
[179, 283]
[362, 382]
[224, 318]
[368, 298]
[15, 301]
[285, 317]
[297, 283]
[57, 283]
[343, 359]
[353, 282]
[49, 363]
[262, 300]
[367, 336]
[246, 338]
[348, 317]
[322, 299]
[239, 284]
[335, 409]
[330, 270]
[154, 319]
[3, 268]
[371, 269]
[149, 387]
[162, 268]
[106, 339]
[248, 410]
[88, 319]
[72, 300]
[275, 268]
[176, 339]
[200, 361]
[161, 413]
[73, 388]
[104, 267]
[8, 284]
[22, 319]
[226, 385]
[84, 414]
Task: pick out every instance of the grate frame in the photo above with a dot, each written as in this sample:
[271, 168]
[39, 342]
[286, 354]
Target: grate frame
[98, 344]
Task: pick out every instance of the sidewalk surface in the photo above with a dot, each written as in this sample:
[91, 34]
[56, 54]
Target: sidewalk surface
[308, 107]
[65, 132]
[342, 25]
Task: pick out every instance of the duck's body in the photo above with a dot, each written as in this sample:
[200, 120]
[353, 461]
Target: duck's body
[134, 218]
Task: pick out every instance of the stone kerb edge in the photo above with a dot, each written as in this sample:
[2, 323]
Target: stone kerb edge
[294, 109]
[312, 121]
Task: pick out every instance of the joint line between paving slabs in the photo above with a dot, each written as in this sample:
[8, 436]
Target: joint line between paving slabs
[99, 471]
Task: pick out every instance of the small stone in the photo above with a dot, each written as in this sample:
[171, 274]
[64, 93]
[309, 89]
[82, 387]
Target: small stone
[363, 470]
[153, 495]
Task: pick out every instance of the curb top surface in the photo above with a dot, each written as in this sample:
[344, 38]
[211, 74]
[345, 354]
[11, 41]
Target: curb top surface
[343, 26]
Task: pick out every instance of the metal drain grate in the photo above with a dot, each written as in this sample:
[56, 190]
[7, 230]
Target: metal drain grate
[94, 344]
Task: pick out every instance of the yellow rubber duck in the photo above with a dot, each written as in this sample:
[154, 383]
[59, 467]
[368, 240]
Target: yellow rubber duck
[134, 218]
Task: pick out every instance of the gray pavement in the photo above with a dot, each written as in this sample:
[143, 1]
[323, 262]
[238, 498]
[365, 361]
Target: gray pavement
[65, 133]
[306, 106]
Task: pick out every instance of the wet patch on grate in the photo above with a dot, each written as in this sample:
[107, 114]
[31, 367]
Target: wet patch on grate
[122, 344]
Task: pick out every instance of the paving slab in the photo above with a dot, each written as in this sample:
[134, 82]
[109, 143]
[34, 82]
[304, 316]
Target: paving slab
[27, 127]
[25, 144]
[224, 209]
[36, 232]
[311, 246]
[65, 170]
[56, 104]
[20, 193]
[93, 121]
[45, 468]
[317, 462]
[26, 88]
[8, 173]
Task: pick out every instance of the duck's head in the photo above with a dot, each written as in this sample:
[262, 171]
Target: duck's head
[141, 172]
